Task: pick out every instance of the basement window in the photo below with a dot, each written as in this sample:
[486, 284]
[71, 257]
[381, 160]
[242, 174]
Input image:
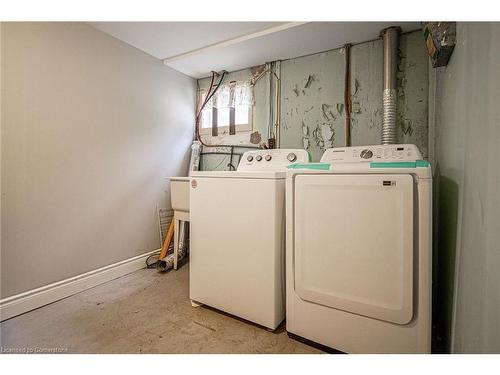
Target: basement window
[229, 111]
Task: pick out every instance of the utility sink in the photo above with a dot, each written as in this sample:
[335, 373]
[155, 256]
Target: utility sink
[179, 195]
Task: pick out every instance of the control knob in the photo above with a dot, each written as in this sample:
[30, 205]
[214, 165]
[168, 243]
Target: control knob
[366, 154]
[291, 157]
[249, 158]
[268, 157]
[258, 157]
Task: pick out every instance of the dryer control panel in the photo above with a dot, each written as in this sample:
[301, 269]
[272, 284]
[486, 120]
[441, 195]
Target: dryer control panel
[379, 153]
[272, 159]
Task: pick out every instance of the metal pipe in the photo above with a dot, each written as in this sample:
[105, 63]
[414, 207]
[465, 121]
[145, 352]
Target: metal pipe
[277, 104]
[347, 94]
[274, 116]
[389, 97]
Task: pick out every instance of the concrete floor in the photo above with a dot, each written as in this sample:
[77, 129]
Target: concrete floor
[143, 312]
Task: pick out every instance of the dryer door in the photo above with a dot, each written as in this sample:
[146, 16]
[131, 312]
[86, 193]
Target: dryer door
[354, 243]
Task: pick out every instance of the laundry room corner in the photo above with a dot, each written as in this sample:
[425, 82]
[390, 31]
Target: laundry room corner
[237, 181]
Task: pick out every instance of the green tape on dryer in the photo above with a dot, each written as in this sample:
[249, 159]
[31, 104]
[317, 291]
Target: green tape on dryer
[400, 164]
[422, 164]
[312, 166]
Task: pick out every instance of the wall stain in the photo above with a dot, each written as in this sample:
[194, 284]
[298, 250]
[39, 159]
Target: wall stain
[257, 70]
[255, 138]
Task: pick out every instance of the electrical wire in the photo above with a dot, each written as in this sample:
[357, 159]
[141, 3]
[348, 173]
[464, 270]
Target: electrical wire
[210, 93]
[217, 85]
[197, 124]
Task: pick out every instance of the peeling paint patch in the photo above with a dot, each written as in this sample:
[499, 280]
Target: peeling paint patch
[406, 126]
[375, 118]
[313, 102]
[318, 137]
[327, 110]
[305, 136]
[340, 108]
[305, 143]
[328, 133]
[356, 107]
[305, 129]
[310, 80]
[357, 86]
[323, 136]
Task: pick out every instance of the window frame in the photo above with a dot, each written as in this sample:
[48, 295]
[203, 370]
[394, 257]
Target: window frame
[224, 130]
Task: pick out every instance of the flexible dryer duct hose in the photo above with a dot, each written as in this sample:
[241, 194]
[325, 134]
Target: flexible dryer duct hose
[168, 262]
[389, 129]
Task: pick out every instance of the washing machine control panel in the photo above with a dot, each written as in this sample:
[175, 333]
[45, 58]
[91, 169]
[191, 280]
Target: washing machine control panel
[379, 153]
[272, 159]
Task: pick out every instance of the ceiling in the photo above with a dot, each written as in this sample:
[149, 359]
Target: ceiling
[196, 48]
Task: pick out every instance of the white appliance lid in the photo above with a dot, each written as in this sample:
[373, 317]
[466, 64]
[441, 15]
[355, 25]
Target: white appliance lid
[240, 174]
[272, 159]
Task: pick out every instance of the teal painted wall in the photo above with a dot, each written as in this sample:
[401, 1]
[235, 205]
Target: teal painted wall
[313, 113]
[468, 199]
[312, 99]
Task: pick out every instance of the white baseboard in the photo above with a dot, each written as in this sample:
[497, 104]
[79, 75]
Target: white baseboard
[32, 299]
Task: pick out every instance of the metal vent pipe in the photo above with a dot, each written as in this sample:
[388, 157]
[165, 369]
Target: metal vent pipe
[389, 131]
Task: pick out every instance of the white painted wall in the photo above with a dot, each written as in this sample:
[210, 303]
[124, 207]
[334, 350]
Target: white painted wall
[467, 151]
[90, 128]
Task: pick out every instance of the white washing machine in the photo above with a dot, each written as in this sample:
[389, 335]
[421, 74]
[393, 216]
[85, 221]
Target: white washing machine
[237, 244]
[358, 255]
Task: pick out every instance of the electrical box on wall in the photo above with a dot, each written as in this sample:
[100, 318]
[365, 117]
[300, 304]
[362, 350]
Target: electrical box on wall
[440, 40]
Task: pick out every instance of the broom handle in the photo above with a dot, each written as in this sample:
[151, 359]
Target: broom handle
[168, 239]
